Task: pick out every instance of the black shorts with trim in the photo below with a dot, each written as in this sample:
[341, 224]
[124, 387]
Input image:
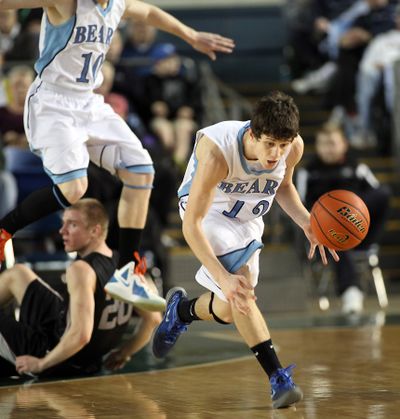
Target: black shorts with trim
[41, 322]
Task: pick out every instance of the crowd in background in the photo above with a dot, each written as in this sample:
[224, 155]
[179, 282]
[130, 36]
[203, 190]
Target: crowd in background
[347, 51]
[344, 50]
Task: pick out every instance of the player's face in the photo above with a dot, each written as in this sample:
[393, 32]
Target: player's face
[75, 232]
[269, 150]
[331, 148]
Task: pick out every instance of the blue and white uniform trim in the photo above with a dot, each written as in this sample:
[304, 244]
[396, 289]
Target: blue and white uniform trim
[233, 261]
[66, 177]
[55, 41]
[141, 169]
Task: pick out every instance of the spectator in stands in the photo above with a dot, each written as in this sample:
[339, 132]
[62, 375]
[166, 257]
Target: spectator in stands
[12, 114]
[26, 45]
[307, 43]
[69, 331]
[173, 98]
[378, 17]
[12, 132]
[335, 168]
[377, 65]
[343, 38]
[133, 56]
[9, 30]
[141, 47]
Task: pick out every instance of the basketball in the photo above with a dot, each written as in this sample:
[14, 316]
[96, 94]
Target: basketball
[340, 219]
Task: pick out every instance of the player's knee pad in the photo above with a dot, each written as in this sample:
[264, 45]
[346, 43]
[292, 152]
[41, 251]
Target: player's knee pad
[211, 311]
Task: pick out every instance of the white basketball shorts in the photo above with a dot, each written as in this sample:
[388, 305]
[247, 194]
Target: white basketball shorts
[66, 130]
[234, 243]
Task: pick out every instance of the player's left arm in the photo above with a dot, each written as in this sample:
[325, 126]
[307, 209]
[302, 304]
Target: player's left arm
[81, 282]
[205, 42]
[289, 200]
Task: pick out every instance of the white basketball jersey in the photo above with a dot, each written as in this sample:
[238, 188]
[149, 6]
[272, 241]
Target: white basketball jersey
[248, 190]
[71, 54]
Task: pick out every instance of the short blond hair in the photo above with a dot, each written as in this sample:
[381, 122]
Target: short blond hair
[93, 211]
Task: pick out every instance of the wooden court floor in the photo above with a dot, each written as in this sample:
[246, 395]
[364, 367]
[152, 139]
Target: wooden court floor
[345, 372]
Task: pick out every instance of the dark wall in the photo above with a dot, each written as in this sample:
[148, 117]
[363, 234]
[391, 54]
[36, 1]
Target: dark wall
[259, 33]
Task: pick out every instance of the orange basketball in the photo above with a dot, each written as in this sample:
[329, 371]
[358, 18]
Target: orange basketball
[340, 219]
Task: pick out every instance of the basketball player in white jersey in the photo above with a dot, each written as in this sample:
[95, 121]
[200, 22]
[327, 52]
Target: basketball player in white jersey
[235, 172]
[67, 124]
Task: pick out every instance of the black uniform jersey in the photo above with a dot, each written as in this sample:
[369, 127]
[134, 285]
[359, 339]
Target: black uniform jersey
[111, 316]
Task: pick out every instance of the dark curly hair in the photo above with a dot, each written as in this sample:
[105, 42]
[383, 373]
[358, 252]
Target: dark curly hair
[277, 116]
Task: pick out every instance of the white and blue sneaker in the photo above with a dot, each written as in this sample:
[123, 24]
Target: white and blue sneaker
[128, 286]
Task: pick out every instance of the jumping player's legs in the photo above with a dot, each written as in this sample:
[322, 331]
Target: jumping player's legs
[113, 146]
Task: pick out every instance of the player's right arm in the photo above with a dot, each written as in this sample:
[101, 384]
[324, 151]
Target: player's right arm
[58, 11]
[211, 170]
[29, 4]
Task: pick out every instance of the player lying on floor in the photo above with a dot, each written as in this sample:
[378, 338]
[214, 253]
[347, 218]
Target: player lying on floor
[70, 331]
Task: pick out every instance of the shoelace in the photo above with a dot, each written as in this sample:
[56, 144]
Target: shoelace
[282, 375]
[140, 264]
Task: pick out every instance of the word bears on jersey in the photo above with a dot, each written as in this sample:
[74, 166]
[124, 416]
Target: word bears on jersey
[92, 33]
[267, 187]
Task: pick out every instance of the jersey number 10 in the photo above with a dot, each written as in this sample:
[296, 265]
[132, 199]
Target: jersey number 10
[83, 78]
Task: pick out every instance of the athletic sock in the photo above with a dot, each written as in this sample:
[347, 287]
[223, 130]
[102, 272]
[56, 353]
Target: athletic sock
[186, 310]
[266, 356]
[129, 242]
[34, 207]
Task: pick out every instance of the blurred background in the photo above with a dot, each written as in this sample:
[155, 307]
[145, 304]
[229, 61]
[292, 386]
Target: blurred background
[339, 59]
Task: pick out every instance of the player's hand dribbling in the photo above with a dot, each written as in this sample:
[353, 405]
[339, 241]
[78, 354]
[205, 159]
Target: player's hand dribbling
[238, 291]
[314, 243]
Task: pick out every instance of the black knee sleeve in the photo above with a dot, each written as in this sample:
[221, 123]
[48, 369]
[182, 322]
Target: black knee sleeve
[211, 311]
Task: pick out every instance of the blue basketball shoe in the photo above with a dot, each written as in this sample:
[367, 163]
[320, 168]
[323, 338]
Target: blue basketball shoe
[284, 391]
[128, 284]
[171, 326]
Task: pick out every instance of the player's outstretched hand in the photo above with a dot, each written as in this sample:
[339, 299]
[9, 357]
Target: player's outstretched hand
[314, 243]
[210, 43]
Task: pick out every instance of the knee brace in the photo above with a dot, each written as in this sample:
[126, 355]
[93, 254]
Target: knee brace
[211, 311]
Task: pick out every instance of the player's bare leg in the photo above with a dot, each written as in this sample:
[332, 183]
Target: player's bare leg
[128, 283]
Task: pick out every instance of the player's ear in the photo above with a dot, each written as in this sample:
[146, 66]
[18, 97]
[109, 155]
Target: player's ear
[96, 230]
